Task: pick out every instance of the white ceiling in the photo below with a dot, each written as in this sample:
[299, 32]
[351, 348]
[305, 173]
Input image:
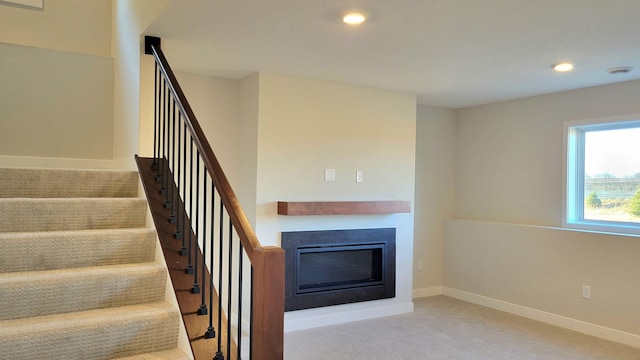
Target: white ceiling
[450, 53]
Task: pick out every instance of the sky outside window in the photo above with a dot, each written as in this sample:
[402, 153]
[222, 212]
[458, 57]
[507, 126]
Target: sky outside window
[616, 152]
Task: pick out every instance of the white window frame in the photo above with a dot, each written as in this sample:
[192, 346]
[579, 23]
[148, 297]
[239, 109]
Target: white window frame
[573, 191]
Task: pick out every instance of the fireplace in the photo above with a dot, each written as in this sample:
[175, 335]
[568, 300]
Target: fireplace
[332, 267]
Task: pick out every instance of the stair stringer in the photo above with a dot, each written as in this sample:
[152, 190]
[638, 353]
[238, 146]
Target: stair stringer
[170, 295]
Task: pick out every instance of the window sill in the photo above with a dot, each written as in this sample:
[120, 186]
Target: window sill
[605, 227]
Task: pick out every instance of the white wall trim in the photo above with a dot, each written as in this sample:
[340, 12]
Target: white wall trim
[546, 317]
[36, 4]
[64, 163]
[426, 292]
[128, 163]
[341, 317]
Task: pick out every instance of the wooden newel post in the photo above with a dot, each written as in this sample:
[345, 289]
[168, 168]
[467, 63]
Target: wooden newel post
[268, 303]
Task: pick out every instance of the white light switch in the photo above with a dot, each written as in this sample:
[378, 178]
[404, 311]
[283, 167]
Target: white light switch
[329, 174]
[359, 176]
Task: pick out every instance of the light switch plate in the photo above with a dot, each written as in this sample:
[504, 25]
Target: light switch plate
[329, 174]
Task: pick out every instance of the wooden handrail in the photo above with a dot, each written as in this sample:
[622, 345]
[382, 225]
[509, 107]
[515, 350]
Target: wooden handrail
[267, 262]
[229, 199]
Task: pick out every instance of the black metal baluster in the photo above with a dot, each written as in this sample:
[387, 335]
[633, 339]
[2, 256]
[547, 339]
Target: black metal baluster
[161, 133]
[172, 188]
[167, 120]
[177, 216]
[195, 289]
[203, 306]
[183, 234]
[211, 332]
[154, 165]
[229, 286]
[219, 355]
[163, 144]
[168, 204]
[240, 256]
[189, 269]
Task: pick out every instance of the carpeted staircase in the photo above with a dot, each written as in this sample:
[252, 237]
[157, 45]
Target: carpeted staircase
[78, 277]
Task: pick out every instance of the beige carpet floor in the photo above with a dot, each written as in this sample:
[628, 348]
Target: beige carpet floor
[446, 328]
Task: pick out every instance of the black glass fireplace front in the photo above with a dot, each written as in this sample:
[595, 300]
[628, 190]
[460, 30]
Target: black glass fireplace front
[333, 267]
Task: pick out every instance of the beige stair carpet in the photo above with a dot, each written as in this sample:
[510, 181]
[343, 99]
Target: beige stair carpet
[48, 250]
[67, 183]
[78, 277]
[96, 334]
[34, 293]
[22, 214]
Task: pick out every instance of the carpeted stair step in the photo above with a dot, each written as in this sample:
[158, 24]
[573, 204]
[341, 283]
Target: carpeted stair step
[78, 277]
[31, 251]
[95, 334]
[71, 214]
[41, 183]
[162, 355]
[36, 293]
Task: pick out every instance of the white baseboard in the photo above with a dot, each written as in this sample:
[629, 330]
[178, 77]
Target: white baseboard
[125, 164]
[546, 317]
[299, 320]
[426, 292]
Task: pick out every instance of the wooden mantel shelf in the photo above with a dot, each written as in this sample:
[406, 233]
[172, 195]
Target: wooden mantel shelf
[342, 207]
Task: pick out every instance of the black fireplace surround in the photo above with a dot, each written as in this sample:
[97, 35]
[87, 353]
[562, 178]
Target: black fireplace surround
[332, 267]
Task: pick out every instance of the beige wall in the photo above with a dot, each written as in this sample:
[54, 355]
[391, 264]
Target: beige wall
[227, 111]
[306, 126]
[55, 104]
[131, 119]
[216, 103]
[516, 148]
[545, 268]
[108, 96]
[56, 99]
[435, 193]
[248, 145]
[509, 167]
[78, 26]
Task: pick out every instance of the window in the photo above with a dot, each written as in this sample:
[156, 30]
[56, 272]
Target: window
[603, 175]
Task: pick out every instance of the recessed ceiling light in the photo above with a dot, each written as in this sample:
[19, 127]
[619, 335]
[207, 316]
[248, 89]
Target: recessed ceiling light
[354, 18]
[563, 67]
[619, 69]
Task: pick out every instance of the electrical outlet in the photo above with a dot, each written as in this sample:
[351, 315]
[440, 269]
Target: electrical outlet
[586, 292]
[420, 265]
[359, 176]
